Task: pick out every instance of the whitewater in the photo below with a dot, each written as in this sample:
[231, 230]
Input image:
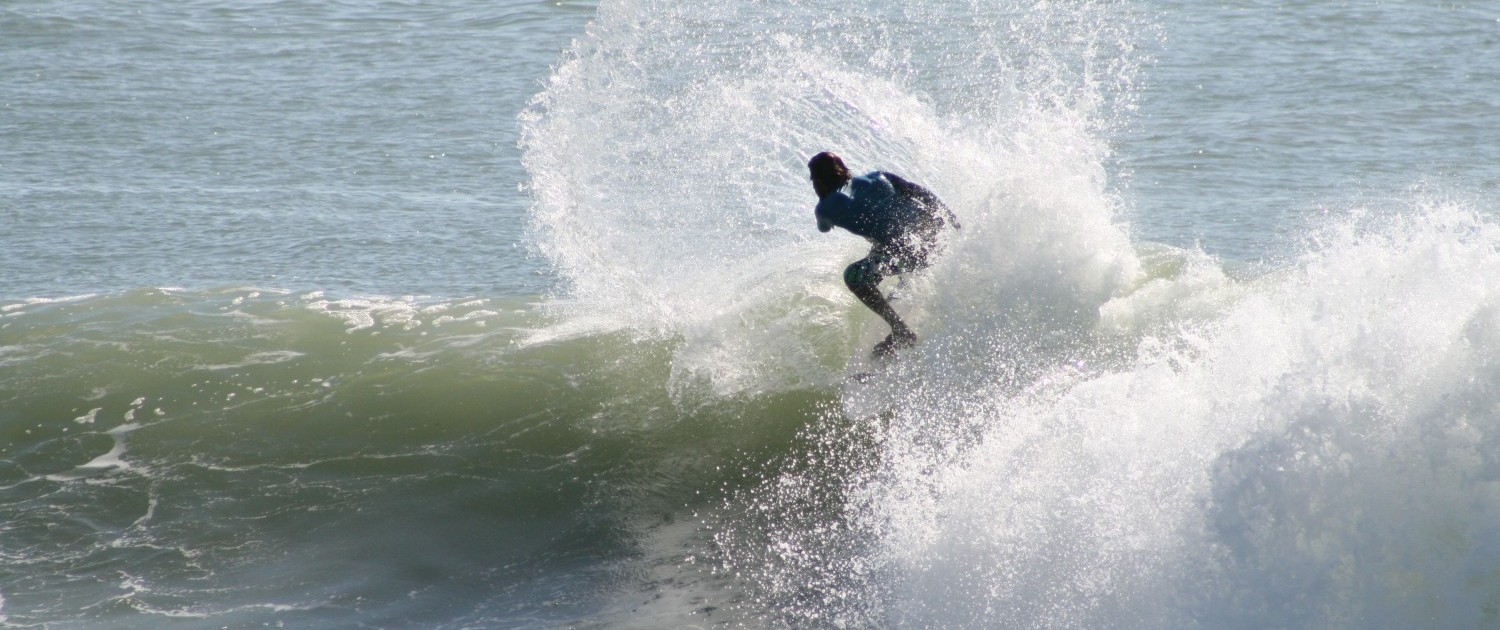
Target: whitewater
[517, 316]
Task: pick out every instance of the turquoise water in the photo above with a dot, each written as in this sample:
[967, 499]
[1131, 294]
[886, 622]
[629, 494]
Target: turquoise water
[391, 314]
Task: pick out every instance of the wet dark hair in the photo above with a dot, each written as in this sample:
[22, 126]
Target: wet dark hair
[828, 172]
[828, 165]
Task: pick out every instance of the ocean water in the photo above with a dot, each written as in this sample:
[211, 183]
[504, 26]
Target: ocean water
[394, 314]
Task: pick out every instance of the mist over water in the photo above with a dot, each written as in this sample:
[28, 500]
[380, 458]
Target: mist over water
[670, 185]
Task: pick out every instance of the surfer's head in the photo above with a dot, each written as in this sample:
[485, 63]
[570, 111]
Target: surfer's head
[828, 173]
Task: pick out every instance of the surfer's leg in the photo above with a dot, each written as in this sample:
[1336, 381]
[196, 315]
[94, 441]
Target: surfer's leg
[863, 279]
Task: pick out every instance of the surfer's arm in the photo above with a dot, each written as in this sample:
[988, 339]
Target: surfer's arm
[922, 195]
[824, 223]
[952, 218]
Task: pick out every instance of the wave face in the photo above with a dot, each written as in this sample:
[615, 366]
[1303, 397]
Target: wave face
[1094, 432]
[240, 456]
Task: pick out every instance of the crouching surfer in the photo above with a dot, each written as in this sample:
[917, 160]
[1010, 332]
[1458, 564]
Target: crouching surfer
[900, 219]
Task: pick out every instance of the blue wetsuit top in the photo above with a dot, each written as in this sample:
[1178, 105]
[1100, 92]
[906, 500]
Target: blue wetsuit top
[871, 206]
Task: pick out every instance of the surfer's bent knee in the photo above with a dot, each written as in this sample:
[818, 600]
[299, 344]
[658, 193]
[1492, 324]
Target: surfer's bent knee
[861, 274]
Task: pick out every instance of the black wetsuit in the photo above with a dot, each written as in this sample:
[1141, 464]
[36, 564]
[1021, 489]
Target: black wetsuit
[899, 218]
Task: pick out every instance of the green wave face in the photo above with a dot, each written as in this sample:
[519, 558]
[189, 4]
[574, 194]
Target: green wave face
[187, 446]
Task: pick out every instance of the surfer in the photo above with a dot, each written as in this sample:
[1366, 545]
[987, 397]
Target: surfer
[899, 218]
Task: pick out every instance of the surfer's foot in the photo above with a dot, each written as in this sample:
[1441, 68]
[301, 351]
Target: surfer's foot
[893, 342]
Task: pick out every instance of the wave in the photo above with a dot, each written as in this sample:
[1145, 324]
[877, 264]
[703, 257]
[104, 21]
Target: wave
[1093, 432]
[165, 449]
[273, 375]
[1315, 454]
[1308, 446]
